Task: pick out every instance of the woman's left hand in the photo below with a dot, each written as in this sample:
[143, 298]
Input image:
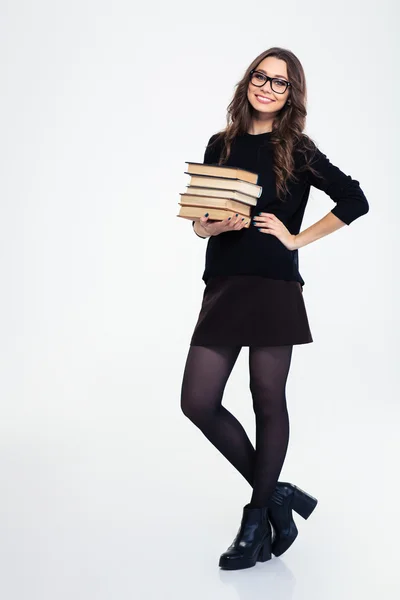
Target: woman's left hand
[270, 224]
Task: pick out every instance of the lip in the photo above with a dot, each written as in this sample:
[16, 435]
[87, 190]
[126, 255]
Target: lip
[264, 97]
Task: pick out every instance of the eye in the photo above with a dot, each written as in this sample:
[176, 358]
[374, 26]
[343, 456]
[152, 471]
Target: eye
[259, 76]
[280, 83]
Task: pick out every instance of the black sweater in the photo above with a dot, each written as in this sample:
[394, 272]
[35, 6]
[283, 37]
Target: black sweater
[252, 252]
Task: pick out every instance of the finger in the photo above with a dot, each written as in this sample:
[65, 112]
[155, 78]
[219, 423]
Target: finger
[236, 219]
[264, 215]
[225, 223]
[222, 225]
[240, 222]
[208, 223]
[231, 221]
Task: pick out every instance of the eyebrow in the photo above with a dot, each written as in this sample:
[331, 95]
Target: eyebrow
[262, 70]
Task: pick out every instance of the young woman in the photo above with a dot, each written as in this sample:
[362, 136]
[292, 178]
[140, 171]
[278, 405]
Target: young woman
[254, 292]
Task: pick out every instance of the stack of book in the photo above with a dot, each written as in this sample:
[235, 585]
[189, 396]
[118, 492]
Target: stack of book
[219, 190]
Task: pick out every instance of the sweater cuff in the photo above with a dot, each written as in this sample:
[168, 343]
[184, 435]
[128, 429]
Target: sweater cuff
[350, 211]
[339, 214]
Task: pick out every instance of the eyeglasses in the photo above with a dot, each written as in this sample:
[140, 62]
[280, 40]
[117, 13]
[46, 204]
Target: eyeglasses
[279, 86]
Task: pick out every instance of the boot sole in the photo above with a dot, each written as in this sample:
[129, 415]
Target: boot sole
[263, 555]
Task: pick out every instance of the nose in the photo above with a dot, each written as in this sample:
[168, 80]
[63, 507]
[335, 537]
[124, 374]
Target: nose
[266, 84]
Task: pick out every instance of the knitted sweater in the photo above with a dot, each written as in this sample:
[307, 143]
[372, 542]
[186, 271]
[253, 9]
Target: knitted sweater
[252, 252]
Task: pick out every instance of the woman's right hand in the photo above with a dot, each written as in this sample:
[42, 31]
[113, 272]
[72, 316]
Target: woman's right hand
[229, 224]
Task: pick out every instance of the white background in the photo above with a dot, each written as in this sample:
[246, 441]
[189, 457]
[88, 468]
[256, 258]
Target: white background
[107, 490]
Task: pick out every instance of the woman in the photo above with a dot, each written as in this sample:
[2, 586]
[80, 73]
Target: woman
[254, 292]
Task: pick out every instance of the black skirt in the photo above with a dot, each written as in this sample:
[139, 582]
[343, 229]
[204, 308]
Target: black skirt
[251, 310]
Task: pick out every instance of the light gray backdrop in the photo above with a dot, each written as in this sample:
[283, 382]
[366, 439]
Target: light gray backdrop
[108, 492]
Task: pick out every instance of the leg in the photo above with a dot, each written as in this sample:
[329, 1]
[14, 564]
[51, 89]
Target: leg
[206, 373]
[269, 368]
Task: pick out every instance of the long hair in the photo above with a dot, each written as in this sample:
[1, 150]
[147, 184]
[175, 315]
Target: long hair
[287, 132]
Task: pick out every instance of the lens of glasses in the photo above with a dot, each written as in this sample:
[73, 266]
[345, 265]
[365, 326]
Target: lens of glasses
[277, 85]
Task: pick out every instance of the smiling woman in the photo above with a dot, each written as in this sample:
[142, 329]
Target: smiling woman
[253, 294]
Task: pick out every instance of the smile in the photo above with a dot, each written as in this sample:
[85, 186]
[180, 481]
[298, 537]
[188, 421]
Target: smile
[264, 100]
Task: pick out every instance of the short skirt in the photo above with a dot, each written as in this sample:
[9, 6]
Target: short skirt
[251, 310]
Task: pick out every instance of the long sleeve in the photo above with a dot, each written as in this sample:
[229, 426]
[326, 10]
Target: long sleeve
[350, 199]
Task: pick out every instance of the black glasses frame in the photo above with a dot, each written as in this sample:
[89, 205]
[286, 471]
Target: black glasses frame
[271, 79]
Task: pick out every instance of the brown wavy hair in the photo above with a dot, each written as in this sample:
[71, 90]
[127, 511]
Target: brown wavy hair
[287, 132]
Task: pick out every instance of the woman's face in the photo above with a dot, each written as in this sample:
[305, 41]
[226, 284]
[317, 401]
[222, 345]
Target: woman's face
[264, 99]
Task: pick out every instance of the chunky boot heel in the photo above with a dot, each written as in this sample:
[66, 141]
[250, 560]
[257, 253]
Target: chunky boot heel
[252, 542]
[286, 497]
[303, 503]
[265, 552]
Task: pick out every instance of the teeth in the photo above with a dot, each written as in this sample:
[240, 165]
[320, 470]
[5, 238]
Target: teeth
[266, 100]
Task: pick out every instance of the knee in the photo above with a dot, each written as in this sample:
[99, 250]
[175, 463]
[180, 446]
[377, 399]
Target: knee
[194, 409]
[268, 403]
[270, 413]
[187, 407]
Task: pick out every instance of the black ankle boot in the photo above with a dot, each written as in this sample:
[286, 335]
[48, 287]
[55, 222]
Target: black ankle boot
[285, 498]
[252, 542]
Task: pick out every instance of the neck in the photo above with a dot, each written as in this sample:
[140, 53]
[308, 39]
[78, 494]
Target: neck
[261, 126]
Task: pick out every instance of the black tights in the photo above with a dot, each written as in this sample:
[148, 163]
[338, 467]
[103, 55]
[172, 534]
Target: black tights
[206, 373]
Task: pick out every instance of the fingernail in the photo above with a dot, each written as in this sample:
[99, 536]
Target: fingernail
[243, 219]
[229, 218]
[206, 215]
[237, 214]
